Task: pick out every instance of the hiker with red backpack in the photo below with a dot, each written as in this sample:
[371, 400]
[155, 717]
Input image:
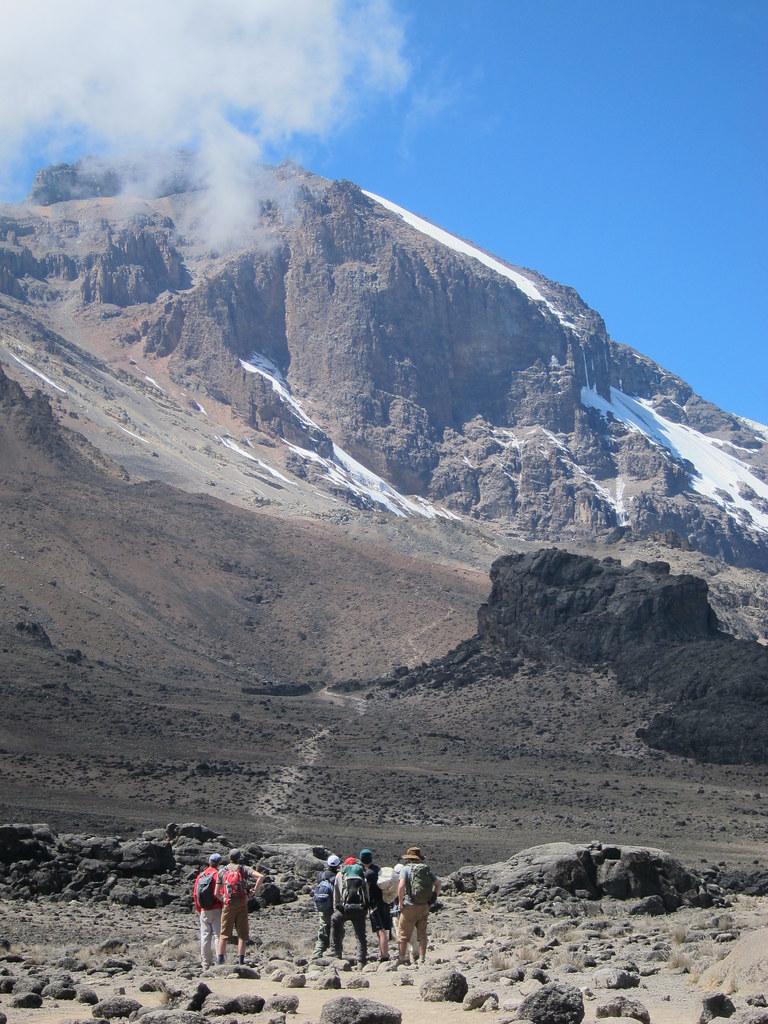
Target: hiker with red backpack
[351, 901]
[208, 908]
[417, 890]
[232, 888]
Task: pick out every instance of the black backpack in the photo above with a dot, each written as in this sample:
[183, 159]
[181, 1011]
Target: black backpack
[206, 883]
[353, 896]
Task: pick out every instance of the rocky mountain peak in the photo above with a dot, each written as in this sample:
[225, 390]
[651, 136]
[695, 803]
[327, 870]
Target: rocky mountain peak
[457, 379]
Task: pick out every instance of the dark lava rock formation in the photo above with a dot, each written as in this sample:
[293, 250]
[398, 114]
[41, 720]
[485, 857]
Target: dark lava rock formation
[655, 631]
[158, 868]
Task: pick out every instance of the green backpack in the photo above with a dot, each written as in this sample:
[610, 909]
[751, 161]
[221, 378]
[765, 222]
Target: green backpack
[421, 883]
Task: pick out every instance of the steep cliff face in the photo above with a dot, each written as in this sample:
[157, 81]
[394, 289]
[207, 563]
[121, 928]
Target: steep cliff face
[592, 610]
[450, 374]
[138, 264]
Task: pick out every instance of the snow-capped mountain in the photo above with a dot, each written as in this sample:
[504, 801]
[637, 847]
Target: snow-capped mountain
[344, 350]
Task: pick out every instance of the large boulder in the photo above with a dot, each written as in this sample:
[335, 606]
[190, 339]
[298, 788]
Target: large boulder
[620, 1006]
[448, 986]
[717, 1004]
[554, 1003]
[144, 857]
[348, 1010]
[589, 872]
[115, 1007]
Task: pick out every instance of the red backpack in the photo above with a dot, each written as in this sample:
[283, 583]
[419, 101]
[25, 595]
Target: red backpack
[205, 884]
[233, 885]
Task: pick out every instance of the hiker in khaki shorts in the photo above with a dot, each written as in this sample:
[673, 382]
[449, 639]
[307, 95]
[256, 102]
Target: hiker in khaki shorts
[418, 889]
[233, 885]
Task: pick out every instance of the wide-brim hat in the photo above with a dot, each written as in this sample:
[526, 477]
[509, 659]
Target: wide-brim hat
[413, 853]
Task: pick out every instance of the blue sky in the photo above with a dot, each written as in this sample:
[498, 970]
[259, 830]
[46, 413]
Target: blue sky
[617, 147]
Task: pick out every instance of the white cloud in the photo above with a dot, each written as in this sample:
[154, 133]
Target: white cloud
[230, 77]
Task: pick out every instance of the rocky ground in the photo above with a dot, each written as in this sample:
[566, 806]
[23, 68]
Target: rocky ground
[77, 957]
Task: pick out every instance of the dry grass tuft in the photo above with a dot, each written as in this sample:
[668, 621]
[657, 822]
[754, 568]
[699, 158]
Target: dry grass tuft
[501, 961]
[679, 961]
[678, 932]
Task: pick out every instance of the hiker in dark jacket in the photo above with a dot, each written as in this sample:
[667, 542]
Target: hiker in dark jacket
[350, 903]
[381, 916]
[328, 874]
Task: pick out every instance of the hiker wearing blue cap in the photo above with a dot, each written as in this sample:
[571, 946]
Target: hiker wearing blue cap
[208, 907]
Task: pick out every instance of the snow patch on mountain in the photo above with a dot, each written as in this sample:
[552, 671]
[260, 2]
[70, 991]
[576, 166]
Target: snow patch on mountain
[467, 249]
[130, 433]
[759, 428]
[234, 447]
[717, 475]
[342, 470]
[270, 371]
[345, 472]
[38, 374]
[616, 502]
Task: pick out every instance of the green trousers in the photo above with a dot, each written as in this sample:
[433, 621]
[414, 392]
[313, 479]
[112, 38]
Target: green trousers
[323, 933]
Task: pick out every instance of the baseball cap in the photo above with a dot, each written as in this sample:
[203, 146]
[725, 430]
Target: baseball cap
[234, 856]
[333, 861]
[215, 858]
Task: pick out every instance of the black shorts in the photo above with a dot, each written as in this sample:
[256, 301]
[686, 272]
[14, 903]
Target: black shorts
[381, 918]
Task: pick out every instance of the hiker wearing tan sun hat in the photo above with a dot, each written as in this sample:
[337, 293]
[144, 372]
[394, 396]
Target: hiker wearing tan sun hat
[417, 890]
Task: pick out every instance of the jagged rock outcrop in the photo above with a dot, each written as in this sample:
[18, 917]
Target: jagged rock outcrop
[64, 182]
[592, 610]
[138, 265]
[654, 630]
[155, 870]
[658, 633]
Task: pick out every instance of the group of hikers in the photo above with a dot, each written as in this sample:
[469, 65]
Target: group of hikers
[356, 890]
